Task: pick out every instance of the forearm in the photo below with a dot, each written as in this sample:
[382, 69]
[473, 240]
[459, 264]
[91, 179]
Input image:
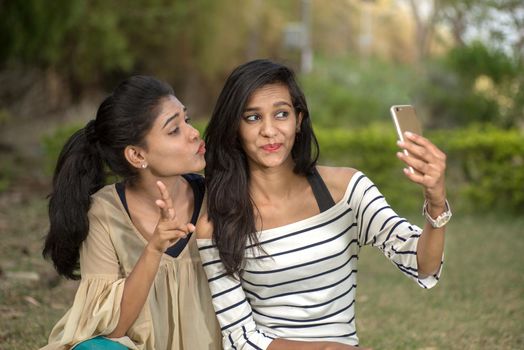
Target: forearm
[431, 246]
[284, 344]
[136, 290]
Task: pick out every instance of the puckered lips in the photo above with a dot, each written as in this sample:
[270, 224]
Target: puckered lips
[201, 148]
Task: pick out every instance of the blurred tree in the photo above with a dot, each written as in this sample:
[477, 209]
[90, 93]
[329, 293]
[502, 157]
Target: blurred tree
[33, 31]
[497, 23]
[474, 83]
[425, 15]
[79, 44]
[192, 44]
[79, 39]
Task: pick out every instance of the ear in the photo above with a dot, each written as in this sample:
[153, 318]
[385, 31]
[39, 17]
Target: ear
[135, 155]
[299, 122]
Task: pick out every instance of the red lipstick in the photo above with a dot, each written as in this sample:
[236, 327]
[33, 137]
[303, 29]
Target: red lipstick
[201, 148]
[272, 147]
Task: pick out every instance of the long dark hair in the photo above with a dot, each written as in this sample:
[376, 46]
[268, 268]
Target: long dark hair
[123, 119]
[230, 206]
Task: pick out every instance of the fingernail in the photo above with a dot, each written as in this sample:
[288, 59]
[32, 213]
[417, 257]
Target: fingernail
[408, 134]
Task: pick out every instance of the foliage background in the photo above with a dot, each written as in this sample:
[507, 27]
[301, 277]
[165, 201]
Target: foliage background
[460, 62]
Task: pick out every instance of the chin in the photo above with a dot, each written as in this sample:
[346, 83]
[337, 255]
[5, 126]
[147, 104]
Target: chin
[270, 165]
[199, 165]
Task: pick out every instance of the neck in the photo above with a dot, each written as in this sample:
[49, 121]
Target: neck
[146, 189]
[268, 184]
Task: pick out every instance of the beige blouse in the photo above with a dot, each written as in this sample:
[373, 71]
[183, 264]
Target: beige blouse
[178, 314]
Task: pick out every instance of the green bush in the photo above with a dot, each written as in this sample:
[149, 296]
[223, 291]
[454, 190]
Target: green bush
[371, 150]
[485, 165]
[491, 166]
[53, 142]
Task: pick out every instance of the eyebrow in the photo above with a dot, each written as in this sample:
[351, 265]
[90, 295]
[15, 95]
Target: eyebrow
[173, 117]
[276, 104]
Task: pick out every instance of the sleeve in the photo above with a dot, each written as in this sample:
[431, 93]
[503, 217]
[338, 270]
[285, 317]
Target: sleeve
[239, 330]
[96, 307]
[381, 227]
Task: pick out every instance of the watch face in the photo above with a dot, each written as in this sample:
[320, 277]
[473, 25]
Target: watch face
[442, 219]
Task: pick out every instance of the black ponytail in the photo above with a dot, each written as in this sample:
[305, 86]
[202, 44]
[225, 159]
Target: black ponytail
[79, 173]
[123, 119]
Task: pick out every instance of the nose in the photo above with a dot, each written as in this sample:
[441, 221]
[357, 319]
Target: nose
[194, 134]
[268, 129]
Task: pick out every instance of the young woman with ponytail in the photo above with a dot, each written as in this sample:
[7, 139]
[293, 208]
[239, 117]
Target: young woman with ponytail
[130, 243]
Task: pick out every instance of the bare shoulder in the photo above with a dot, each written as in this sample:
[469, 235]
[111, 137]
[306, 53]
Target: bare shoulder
[336, 179]
[204, 227]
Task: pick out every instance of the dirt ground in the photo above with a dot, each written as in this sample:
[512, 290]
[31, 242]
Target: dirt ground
[32, 296]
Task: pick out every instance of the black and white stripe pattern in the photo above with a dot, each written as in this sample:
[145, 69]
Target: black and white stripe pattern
[303, 287]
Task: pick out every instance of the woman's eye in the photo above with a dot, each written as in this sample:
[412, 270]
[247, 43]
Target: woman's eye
[282, 115]
[174, 131]
[188, 119]
[251, 118]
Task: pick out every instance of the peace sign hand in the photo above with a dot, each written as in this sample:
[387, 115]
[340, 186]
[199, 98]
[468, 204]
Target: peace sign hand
[429, 164]
[169, 229]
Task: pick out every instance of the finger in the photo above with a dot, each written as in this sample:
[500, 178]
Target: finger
[423, 142]
[414, 176]
[424, 154]
[416, 138]
[165, 215]
[435, 159]
[416, 150]
[170, 235]
[172, 226]
[425, 174]
[430, 172]
[175, 234]
[164, 193]
[165, 204]
[414, 162]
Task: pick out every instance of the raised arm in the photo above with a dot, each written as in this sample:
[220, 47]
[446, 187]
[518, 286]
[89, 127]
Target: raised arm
[138, 283]
[430, 164]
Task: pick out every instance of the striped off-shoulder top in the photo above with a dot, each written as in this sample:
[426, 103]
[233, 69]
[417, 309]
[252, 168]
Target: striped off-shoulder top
[302, 284]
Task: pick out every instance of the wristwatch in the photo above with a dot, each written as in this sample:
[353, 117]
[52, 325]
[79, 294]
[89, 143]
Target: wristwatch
[441, 220]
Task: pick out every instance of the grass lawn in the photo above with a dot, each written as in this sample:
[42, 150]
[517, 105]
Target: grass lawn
[478, 304]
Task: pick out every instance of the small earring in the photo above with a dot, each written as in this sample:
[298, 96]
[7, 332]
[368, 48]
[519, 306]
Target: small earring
[144, 165]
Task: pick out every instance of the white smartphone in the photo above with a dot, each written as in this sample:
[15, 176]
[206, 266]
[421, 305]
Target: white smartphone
[405, 119]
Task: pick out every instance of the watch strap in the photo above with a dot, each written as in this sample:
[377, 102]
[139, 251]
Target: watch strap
[440, 220]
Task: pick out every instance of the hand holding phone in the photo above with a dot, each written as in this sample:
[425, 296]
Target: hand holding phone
[405, 119]
[426, 162]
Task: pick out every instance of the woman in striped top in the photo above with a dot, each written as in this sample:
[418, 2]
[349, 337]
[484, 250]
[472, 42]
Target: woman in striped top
[281, 237]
